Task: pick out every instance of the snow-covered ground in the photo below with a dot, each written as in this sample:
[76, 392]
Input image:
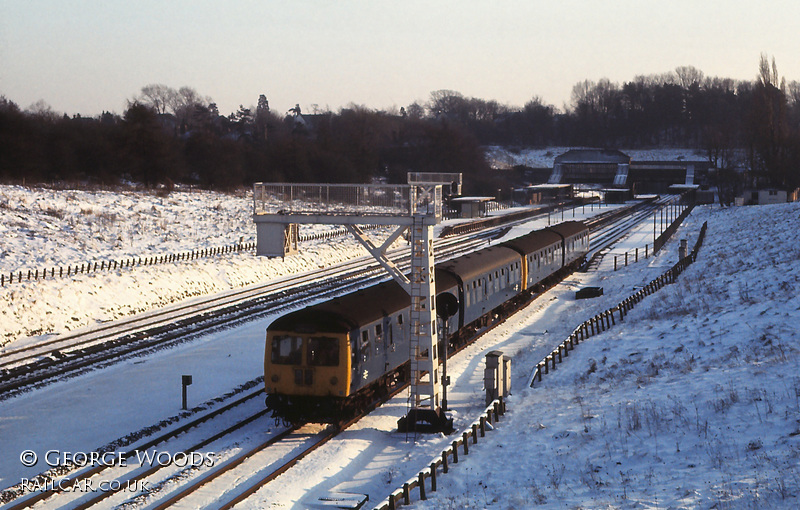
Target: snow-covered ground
[43, 228]
[692, 402]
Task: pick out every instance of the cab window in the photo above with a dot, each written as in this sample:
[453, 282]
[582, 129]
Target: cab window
[286, 350]
[323, 352]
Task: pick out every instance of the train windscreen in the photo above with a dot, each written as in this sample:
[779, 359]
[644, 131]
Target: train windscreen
[323, 351]
[286, 350]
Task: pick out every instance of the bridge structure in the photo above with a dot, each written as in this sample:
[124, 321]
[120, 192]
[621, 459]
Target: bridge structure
[279, 207]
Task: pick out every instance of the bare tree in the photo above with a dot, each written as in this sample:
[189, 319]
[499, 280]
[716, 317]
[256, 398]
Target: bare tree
[183, 104]
[770, 137]
[43, 110]
[156, 96]
[688, 76]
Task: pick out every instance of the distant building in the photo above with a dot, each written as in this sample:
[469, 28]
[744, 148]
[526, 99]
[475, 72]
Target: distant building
[763, 197]
[470, 207]
[611, 174]
[653, 177]
[591, 166]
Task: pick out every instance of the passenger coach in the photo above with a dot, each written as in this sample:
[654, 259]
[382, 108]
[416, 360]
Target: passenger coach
[343, 353]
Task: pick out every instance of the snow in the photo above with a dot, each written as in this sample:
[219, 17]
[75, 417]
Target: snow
[44, 228]
[693, 402]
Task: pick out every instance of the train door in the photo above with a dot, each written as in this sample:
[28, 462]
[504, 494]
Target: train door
[355, 358]
[388, 331]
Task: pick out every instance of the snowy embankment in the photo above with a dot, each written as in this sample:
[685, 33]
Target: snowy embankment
[44, 228]
[693, 402]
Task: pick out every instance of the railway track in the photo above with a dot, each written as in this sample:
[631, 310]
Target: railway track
[607, 231]
[25, 367]
[250, 469]
[161, 485]
[62, 482]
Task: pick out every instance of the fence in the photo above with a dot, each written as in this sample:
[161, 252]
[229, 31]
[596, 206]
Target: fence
[110, 265]
[608, 318]
[402, 496]
[659, 241]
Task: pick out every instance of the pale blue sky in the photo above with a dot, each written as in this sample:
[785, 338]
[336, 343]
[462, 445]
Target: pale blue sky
[89, 56]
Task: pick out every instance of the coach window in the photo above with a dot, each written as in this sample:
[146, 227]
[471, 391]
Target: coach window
[323, 352]
[378, 338]
[365, 344]
[287, 350]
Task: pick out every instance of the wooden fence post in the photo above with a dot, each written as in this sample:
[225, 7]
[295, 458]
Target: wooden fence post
[422, 496]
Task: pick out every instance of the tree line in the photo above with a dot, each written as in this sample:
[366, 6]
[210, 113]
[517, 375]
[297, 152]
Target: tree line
[168, 135]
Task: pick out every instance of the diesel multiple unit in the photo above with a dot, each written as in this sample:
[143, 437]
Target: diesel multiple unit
[337, 355]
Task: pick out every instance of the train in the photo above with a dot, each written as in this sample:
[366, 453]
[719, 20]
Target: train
[328, 360]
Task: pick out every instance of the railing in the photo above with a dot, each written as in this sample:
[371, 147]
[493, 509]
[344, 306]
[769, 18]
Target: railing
[345, 199]
[663, 237]
[402, 496]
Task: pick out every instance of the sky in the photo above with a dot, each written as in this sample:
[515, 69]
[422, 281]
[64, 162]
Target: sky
[82, 56]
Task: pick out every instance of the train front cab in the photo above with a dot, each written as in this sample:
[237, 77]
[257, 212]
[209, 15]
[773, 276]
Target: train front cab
[307, 364]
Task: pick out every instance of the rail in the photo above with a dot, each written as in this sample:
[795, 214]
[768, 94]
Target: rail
[651, 250]
[68, 481]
